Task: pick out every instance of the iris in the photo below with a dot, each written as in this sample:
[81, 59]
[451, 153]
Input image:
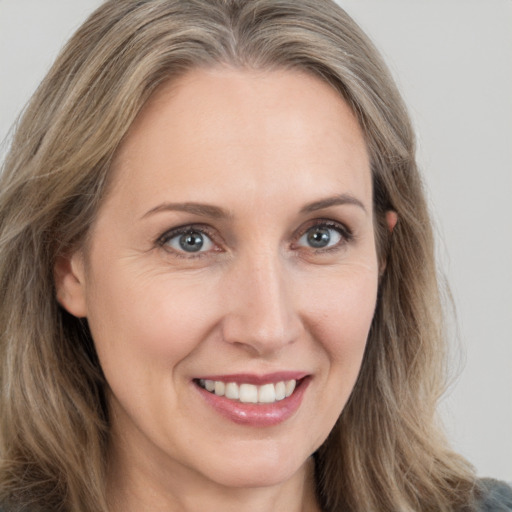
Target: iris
[319, 237]
[192, 241]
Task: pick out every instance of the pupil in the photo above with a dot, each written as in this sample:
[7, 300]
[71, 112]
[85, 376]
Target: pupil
[191, 242]
[318, 238]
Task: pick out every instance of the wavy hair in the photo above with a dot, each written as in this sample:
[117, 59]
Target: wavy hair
[386, 452]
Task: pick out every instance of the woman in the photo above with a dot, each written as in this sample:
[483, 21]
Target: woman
[217, 273]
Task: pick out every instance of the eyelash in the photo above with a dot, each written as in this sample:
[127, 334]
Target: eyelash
[346, 236]
[164, 239]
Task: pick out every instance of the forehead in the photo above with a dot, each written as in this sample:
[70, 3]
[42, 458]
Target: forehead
[210, 126]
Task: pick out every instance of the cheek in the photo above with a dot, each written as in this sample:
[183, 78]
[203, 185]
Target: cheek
[342, 309]
[339, 315]
[340, 318]
[142, 324]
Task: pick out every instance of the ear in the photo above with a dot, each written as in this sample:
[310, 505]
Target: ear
[391, 220]
[69, 278]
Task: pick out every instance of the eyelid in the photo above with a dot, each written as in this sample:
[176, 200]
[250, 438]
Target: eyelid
[346, 233]
[346, 236]
[206, 230]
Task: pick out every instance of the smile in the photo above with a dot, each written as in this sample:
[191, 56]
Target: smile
[250, 393]
[252, 400]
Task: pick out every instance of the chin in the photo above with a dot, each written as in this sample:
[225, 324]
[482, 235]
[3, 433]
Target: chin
[255, 478]
[263, 470]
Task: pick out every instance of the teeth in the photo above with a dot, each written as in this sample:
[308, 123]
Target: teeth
[249, 393]
[220, 388]
[280, 390]
[232, 391]
[290, 386]
[267, 394]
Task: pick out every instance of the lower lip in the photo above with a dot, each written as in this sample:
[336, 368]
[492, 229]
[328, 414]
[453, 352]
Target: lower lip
[256, 415]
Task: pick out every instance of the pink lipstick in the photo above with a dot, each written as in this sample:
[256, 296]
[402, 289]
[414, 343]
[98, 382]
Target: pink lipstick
[254, 400]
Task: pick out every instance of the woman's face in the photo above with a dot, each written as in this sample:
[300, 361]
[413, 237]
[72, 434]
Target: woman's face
[235, 251]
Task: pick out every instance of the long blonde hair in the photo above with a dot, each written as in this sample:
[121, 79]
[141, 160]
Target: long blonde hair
[386, 452]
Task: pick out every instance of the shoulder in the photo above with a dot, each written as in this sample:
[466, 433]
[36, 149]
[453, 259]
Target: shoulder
[493, 496]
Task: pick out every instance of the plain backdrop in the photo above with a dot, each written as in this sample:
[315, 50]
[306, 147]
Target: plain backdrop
[453, 63]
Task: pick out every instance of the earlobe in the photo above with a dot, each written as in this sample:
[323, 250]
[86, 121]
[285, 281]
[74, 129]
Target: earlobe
[69, 279]
[391, 220]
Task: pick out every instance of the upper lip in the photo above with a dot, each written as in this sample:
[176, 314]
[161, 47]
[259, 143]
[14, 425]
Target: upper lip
[258, 380]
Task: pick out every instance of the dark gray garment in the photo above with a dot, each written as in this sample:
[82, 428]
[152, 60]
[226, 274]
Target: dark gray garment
[495, 496]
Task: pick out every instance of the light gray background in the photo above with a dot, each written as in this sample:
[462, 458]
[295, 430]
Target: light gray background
[453, 63]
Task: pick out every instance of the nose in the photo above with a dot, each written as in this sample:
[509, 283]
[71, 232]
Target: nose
[261, 315]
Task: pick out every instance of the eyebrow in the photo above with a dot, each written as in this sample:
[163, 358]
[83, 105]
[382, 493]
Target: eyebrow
[341, 199]
[201, 209]
[208, 210]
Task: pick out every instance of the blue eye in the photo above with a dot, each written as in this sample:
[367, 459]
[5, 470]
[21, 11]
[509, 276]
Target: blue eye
[191, 241]
[321, 237]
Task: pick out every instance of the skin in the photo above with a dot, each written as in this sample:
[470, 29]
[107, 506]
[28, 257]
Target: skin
[257, 298]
